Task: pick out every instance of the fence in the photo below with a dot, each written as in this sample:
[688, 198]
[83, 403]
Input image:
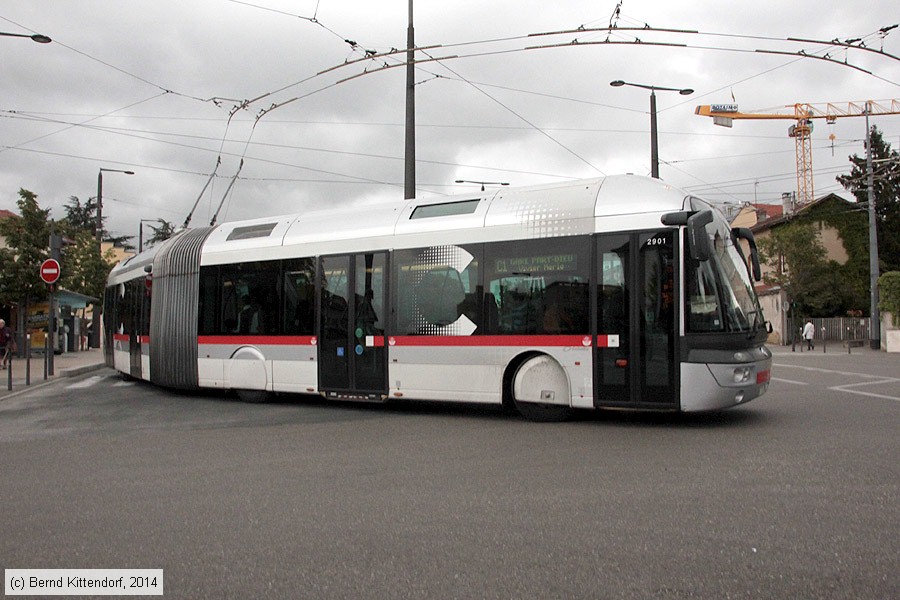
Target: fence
[838, 329]
[24, 350]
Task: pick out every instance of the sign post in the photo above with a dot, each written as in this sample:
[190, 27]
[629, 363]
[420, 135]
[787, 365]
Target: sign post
[50, 272]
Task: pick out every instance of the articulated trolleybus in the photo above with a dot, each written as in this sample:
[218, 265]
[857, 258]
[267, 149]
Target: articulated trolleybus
[620, 292]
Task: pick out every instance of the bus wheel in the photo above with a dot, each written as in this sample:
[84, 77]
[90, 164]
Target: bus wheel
[538, 383]
[253, 396]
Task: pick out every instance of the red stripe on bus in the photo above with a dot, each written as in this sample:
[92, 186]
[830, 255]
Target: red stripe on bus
[258, 340]
[490, 340]
[414, 340]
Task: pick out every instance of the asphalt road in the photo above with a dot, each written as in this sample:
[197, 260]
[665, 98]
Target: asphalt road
[794, 495]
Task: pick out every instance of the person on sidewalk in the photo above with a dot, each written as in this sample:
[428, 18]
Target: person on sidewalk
[809, 331]
[7, 343]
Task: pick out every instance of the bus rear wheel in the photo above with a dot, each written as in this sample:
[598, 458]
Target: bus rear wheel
[538, 378]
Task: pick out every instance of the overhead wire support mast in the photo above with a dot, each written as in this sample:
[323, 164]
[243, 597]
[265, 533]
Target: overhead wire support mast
[724, 114]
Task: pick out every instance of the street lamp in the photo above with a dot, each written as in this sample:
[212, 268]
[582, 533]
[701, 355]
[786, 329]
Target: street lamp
[98, 309]
[37, 37]
[482, 183]
[654, 145]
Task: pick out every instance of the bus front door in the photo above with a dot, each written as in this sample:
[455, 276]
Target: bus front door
[635, 363]
[352, 349]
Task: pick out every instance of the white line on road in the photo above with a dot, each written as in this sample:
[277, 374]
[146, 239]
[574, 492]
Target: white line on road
[780, 380]
[90, 381]
[877, 379]
[843, 388]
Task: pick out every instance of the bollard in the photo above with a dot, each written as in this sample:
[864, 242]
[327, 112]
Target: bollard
[9, 370]
[824, 341]
[848, 341]
[46, 364]
[28, 359]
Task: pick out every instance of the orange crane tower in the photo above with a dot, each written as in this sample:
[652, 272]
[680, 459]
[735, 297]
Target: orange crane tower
[803, 114]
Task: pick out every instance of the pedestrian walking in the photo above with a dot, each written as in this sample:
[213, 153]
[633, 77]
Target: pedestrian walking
[809, 332]
[7, 343]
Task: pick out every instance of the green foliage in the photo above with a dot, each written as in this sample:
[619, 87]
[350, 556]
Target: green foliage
[851, 278]
[79, 217]
[161, 233]
[28, 239]
[886, 190]
[889, 289]
[811, 281]
[83, 270]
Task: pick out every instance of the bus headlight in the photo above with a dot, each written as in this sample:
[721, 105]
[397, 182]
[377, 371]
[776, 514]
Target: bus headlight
[742, 374]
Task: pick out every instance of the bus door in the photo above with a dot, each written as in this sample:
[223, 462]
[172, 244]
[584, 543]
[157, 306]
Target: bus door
[634, 357]
[352, 317]
[134, 301]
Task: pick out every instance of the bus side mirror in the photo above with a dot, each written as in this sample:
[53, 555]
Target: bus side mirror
[697, 238]
[744, 233]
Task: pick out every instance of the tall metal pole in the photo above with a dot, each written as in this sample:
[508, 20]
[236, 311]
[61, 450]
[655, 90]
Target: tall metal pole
[875, 334]
[409, 187]
[654, 143]
[99, 227]
[98, 308]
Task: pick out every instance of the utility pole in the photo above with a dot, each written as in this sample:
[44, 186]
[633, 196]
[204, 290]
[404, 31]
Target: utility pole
[409, 186]
[875, 333]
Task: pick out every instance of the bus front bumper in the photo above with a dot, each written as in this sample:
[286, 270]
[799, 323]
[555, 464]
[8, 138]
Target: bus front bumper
[714, 386]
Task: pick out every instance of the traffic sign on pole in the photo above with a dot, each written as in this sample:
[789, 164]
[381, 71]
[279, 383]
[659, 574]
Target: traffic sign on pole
[50, 271]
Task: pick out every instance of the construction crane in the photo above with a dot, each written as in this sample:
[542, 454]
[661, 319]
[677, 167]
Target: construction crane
[803, 114]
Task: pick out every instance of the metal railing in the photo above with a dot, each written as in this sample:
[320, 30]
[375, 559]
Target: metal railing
[23, 351]
[846, 331]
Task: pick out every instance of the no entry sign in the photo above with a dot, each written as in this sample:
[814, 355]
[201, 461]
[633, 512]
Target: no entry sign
[49, 271]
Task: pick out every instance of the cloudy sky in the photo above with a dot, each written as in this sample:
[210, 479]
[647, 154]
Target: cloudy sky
[159, 87]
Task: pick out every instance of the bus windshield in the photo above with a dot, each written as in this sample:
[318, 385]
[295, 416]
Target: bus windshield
[720, 291]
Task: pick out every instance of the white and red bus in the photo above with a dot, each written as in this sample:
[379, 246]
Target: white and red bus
[619, 292]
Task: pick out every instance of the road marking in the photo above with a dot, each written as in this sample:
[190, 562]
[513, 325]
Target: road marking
[780, 380]
[877, 379]
[123, 383]
[90, 381]
[843, 388]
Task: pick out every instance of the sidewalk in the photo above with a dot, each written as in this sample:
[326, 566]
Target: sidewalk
[68, 364]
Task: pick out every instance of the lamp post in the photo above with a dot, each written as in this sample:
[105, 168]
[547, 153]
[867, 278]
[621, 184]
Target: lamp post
[37, 37]
[654, 145]
[482, 183]
[98, 309]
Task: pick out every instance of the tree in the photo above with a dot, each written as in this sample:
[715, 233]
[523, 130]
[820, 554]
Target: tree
[28, 238]
[83, 269]
[802, 270]
[81, 217]
[164, 231]
[886, 169]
